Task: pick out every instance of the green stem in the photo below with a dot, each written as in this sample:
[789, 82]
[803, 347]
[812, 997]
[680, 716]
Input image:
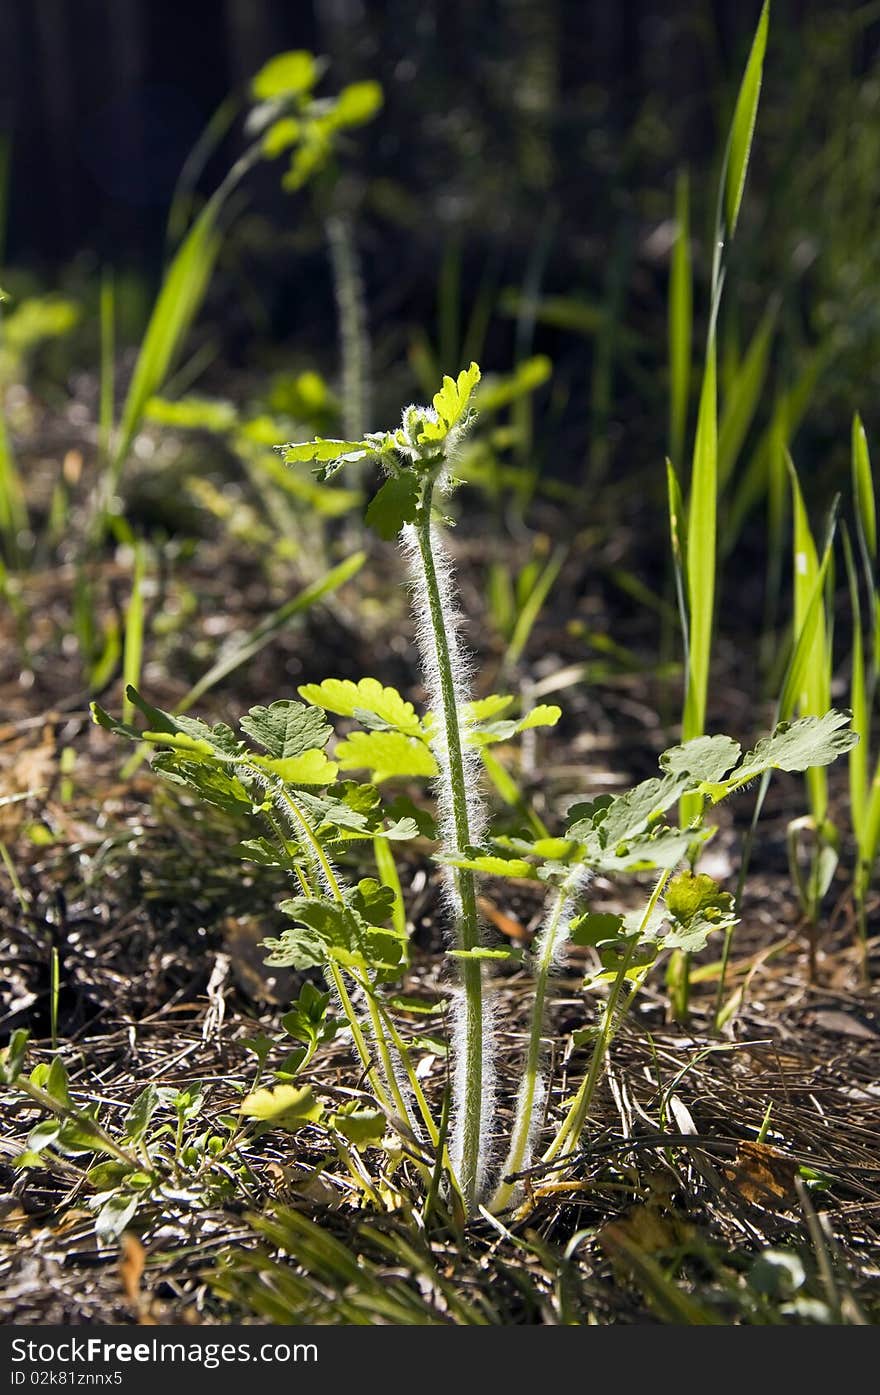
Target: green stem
[315, 844]
[79, 1117]
[382, 1046]
[519, 1143]
[467, 928]
[572, 1126]
[358, 1037]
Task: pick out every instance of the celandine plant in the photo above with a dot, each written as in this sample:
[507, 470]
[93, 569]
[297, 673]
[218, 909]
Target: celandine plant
[279, 773]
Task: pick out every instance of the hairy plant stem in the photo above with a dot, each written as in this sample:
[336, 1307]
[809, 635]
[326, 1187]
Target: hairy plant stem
[517, 1157]
[572, 1126]
[467, 923]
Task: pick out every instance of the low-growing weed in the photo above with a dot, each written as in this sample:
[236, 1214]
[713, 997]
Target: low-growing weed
[281, 771]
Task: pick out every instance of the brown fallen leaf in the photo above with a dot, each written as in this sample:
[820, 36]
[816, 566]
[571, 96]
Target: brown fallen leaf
[131, 1272]
[763, 1176]
[503, 922]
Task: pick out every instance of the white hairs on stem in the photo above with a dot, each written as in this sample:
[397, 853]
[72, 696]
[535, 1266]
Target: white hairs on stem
[552, 939]
[461, 663]
[458, 1039]
[548, 953]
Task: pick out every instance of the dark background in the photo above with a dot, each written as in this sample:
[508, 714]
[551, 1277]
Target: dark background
[533, 101]
[539, 141]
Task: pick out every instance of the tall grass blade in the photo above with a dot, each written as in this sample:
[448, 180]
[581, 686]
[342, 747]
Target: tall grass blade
[675, 507]
[133, 645]
[268, 628]
[701, 550]
[176, 307]
[863, 490]
[531, 609]
[743, 128]
[858, 755]
[681, 317]
[813, 697]
[742, 400]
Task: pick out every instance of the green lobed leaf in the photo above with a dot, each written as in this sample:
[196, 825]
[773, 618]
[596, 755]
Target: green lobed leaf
[493, 866]
[697, 907]
[799, 745]
[283, 1107]
[482, 952]
[311, 768]
[286, 729]
[386, 754]
[360, 1126]
[703, 758]
[372, 901]
[346, 699]
[395, 504]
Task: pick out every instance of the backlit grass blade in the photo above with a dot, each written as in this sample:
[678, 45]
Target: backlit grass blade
[858, 755]
[813, 697]
[792, 684]
[869, 842]
[751, 483]
[743, 128]
[701, 550]
[176, 307]
[13, 510]
[531, 609]
[866, 529]
[863, 490]
[675, 506]
[741, 401]
[133, 647]
[268, 628]
[805, 635]
[680, 322]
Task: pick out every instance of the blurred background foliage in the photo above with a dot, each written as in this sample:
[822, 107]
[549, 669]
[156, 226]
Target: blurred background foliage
[515, 196]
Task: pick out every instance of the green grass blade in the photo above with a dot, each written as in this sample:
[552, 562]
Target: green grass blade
[388, 876]
[742, 401]
[268, 628]
[813, 622]
[870, 839]
[176, 307]
[813, 697]
[680, 321]
[858, 755]
[863, 490]
[133, 646]
[752, 482]
[743, 127]
[675, 506]
[701, 550]
[13, 509]
[531, 609]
